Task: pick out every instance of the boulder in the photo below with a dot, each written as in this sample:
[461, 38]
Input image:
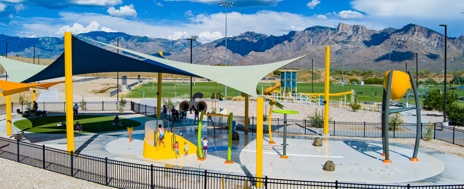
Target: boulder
[317, 141]
[329, 166]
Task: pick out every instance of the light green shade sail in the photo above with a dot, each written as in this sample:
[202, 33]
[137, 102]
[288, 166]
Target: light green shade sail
[242, 78]
[20, 71]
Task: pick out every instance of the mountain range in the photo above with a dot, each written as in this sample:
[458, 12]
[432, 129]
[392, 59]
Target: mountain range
[352, 47]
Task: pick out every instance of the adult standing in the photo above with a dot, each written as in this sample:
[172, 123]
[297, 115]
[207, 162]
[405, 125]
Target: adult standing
[76, 109]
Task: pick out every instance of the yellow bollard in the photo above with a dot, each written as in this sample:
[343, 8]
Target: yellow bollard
[259, 141]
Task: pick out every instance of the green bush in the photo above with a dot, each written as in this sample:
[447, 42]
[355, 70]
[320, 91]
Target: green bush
[355, 106]
[429, 131]
[394, 120]
[316, 120]
[434, 100]
[455, 115]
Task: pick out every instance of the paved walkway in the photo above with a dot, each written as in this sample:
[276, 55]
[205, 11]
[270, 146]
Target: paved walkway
[356, 160]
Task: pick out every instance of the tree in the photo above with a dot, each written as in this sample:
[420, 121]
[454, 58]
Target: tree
[434, 100]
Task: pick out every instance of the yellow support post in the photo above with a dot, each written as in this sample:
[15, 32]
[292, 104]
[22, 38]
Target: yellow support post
[269, 124]
[259, 141]
[247, 106]
[69, 92]
[34, 96]
[9, 130]
[326, 91]
[158, 96]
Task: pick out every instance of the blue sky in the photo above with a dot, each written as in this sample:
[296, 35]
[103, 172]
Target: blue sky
[176, 19]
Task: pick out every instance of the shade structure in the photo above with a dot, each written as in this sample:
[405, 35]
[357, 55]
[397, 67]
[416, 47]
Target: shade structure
[9, 87]
[88, 58]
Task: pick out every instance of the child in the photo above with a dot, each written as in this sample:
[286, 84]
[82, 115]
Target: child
[186, 149]
[176, 147]
[161, 136]
[205, 146]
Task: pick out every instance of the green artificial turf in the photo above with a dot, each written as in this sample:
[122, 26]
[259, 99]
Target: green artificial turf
[90, 123]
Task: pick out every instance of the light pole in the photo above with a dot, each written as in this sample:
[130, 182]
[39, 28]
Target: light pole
[343, 64]
[33, 56]
[417, 70]
[406, 68]
[226, 4]
[444, 83]
[117, 73]
[312, 75]
[192, 38]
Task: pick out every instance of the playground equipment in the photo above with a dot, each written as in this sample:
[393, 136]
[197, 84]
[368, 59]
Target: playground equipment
[273, 102]
[201, 156]
[153, 150]
[285, 112]
[395, 87]
[288, 78]
[199, 105]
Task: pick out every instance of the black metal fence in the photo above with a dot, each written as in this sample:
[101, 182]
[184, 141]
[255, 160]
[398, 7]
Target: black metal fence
[130, 175]
[61, 106]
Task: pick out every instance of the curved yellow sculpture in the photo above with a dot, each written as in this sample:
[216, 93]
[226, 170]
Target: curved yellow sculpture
[399, 85]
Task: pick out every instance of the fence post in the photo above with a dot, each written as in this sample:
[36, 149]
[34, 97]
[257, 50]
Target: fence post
[72, 163]
[106, 171]
[17, 149]
[454, 130]
[394, 129]
[336, 183]
[43, 156]
[265, 182]
[334, 129]
[206, 176]
[422, 128]
[408, 186]
[434, 130]
[103, 104]
[152, 181]
[364, 129]
[145, 109]
[305, 126]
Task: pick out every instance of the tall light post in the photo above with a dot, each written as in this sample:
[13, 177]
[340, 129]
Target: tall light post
[444, 83]
[226, 4]
[417, 70]
[33, 56]
[312, 75]
[406, 67]
[343, 64]
[117, 73]
[192, 38]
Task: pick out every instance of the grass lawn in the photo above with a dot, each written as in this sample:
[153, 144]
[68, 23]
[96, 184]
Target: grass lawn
[90, 123]
[366, 93]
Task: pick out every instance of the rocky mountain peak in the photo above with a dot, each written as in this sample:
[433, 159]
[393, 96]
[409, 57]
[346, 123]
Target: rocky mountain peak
[352, 29]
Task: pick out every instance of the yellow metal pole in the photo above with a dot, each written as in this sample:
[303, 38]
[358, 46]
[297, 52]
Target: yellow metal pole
[326, 90]
[269, 125]
[34, 97]
[158, 96]
[259, 141]
[69, 91]
[247, 106]
[9, 130]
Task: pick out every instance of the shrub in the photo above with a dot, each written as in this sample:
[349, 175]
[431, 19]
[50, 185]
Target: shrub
[122, 103]
[434, 100]
[455, 115]
[316, 120]
[394, 120]
[355, 106]
[238, 98]
[429, 131]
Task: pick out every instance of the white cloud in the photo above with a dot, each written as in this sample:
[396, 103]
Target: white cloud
[78, 28]
[423, 9]
[178, 35]
[321, 17]
[349, 14]
[19, 7]
[2, 7]
[188, 13]
[13, 1]
[127, 10]
[98, 2]
[159, 4]
[206, 36]
[313, 3]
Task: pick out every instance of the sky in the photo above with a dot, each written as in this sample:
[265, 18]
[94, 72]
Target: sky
[178, 19]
